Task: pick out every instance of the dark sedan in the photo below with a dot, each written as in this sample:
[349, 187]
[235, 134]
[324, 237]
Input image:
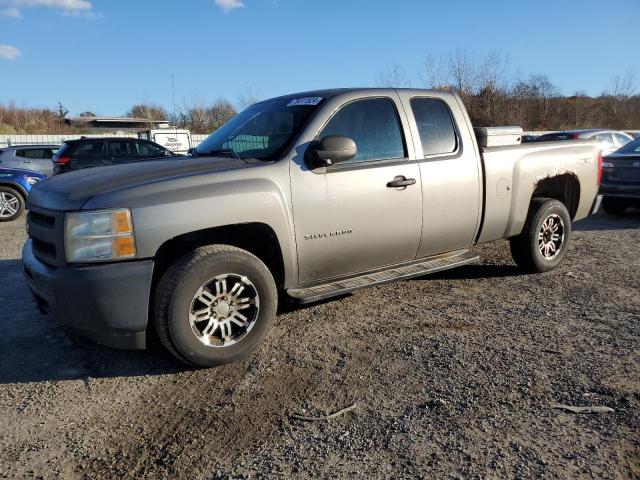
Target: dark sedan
[98, 152]
[621, 179]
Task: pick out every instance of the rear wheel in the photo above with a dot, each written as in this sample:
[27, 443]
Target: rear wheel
[614, 206]
[11, 204]
[215, 305]
[544, 240]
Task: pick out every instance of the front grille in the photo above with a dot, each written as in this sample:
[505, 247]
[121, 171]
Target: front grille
[46, 229]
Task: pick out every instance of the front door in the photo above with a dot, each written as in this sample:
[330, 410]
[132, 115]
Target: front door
[349, 217]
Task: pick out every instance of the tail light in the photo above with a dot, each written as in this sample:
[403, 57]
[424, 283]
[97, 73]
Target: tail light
[575, 136]
[599, 168]
[62, 160]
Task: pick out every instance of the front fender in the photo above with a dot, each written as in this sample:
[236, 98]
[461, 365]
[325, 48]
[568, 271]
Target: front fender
[165, 210]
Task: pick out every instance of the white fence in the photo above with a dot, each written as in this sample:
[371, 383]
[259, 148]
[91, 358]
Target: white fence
[44, 139]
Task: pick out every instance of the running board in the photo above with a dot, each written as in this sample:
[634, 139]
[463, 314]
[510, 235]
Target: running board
[343, 286]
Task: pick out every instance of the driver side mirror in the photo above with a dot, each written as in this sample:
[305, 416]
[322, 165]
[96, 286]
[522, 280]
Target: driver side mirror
[330, 150]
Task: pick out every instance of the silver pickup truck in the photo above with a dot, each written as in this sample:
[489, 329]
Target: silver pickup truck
[310, 196]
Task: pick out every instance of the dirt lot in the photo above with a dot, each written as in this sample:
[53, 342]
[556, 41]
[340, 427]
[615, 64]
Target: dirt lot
[453, 376]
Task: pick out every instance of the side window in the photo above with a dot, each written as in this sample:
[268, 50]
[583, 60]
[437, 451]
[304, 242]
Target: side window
[605, 138]
[21, 153]
[34, 153]
[149, 150]
[118, 149]
[373, 124]
[621, 139]
[435, 126]
[89, 150]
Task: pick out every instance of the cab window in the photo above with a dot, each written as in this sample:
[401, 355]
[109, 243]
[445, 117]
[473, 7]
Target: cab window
[435, 126]
[374, 125]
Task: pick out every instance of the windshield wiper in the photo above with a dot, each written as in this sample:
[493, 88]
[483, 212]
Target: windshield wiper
[219, 153]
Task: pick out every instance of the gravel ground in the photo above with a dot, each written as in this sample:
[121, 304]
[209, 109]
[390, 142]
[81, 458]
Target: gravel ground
[453, 376]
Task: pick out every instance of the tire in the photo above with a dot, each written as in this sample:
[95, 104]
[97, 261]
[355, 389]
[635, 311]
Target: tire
[527, 250]
[11, 204]
[203, 328]
[614, 206]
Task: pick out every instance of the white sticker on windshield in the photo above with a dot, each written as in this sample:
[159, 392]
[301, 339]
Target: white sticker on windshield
[305, 101]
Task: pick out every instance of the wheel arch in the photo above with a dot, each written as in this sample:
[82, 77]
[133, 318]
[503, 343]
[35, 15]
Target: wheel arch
[257, 238]
[564, 188]
[17, 187]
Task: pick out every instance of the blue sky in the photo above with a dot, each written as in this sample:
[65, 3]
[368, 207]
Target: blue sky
[105, 55]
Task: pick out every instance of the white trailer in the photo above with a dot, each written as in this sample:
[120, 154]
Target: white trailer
[175, 139]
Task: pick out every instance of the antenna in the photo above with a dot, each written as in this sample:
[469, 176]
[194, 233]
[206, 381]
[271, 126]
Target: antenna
[173, 97]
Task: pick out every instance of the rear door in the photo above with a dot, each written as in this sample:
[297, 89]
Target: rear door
[120, 151]
[450, 173]
[36, 159]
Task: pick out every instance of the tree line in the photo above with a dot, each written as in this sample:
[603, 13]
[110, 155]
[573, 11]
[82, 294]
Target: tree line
[491, 91]
[495, 95]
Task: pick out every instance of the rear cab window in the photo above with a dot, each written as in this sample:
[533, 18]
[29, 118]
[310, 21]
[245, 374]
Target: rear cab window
[435, 126]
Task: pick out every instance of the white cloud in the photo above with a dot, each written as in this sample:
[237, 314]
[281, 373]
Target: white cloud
[79, 8]
[228, 5]
[7, 52]
[11, 12]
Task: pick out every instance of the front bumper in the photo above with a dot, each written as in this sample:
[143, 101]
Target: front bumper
[107, 303]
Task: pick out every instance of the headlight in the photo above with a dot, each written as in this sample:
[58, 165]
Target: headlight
[607, 165]
[31, 180]
[99, 236]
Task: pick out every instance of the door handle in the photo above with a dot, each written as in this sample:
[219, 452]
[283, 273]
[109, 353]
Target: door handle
[401, 182]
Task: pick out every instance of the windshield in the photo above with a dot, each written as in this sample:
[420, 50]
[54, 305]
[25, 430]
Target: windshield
[262, 131]
[631, 147]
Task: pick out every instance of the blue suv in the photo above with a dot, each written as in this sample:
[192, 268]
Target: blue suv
[15, 185]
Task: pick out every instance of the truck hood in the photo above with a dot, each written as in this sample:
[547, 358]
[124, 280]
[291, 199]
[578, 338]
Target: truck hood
[70, 191]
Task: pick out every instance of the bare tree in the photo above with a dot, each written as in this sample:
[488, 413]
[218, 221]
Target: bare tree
[206, 118]
[434, 72]
[393, 76]
[462, 72]
[247, 98]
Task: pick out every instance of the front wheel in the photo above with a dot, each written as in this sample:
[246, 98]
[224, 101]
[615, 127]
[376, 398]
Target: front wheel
[215, 305]
[544, 240]
[11, 204]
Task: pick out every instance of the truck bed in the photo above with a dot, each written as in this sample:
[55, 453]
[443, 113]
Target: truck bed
[513, 172]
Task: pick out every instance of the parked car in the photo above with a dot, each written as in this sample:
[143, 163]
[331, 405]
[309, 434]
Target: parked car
[311, 195]
[98, 152]
[529, 138]
[621, 179]
[36, 158]
[15, 185]
[610, 140]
